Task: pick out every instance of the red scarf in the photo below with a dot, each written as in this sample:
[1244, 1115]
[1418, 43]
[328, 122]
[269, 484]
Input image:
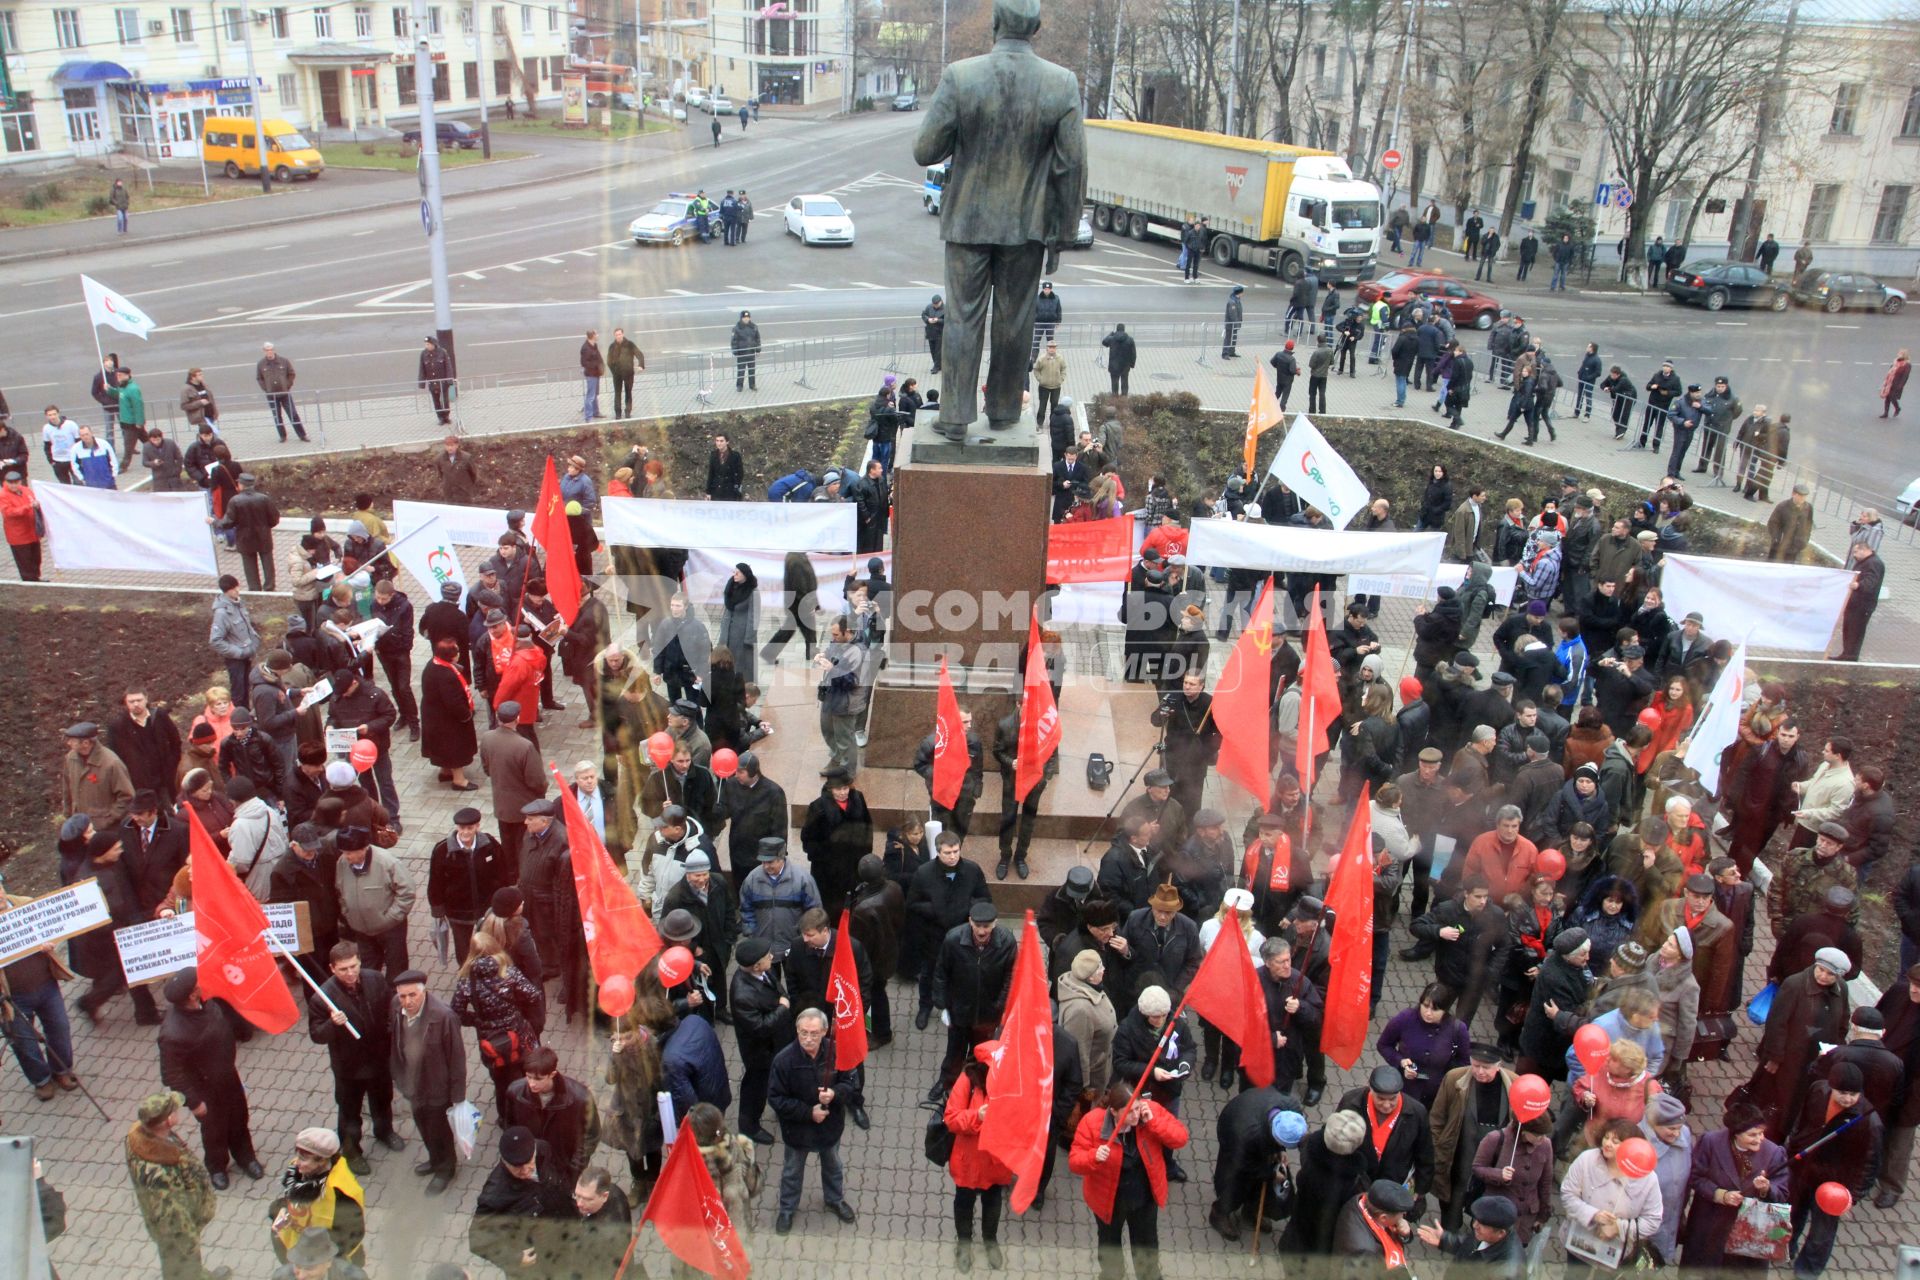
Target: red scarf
[1693, 920]
[1538, 945]
[501, 650]
[1382, 1129]
[464, 686]
[1280, 875]
[1392, 1256]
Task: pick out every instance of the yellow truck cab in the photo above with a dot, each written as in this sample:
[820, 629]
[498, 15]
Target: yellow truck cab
[230, 142]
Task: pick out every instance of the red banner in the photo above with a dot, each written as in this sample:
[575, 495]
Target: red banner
[229, 939]
[1319, 696]
[620, 937]
[951, 758]
[849, 1007]
[1226, 992]
[1091, 550]
[690, 1215]
[551, 531]
[1343, 1031]
[1241, 706]
[1020, 1074]
[1039, 719]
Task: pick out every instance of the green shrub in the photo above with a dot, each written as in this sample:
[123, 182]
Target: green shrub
[98, 206]
[44, 196]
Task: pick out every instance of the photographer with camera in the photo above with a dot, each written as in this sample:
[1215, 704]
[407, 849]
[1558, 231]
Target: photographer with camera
[1192, 738]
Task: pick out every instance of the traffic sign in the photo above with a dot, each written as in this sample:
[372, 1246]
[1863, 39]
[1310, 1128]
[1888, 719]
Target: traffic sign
[1390, 159]
[426, 216]
[1623, 196]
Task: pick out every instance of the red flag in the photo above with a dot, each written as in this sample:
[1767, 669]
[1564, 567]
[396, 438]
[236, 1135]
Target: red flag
[1242, 706]
[687, 1211]
[1020, 1074]
[556, 539]
[1343, 1030]
[1039, 719]
[849, 1007]
[228, 927]
[1319, 697]
[1226, 992]
[950, 756]
[620, 937]
[1091, 550]
[1263, 415]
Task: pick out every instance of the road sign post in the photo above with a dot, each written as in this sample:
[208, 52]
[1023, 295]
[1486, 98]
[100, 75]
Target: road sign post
[1390, 160]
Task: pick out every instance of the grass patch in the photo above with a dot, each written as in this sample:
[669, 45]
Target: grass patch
[399, 156]
[624, 125]
[69, 199]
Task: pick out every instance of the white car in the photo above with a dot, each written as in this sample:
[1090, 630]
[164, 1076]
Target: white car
[720, 105]
[819, 220]
[696, 97]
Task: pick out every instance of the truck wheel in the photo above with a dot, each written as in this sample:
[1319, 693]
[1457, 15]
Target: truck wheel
[1223, 250]
[283, 174]
[1137, 226]
[1291, 267]
[1102, 218]
[232, 169]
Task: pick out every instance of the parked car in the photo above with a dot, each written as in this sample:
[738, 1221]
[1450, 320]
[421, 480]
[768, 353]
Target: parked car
[819, 220]
[1837, 291]
[1083, 238]
[669, 222]
[696, 97]
[452, 133]
[1468, 307]
[1726, 284]
[906, 102]
[719, 104]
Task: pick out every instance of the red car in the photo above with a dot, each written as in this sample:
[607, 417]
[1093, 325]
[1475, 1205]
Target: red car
[1468, 307]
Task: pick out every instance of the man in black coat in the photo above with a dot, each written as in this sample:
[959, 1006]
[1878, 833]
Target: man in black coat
[557, 1109]
[250, 754]
[837, 833]
[523, 1198]
[1900, 1011]
[1810, 1007]
[809, 965]
[1127, 868]
[1143, 1049]
[1407, 1157]
[939, 897]
[153, 845]
[970, 980]
[1122, 355]
[198, 1062]
[1192, 738]
[726, 471]
[1023, 814]
[147, 741]
[752, 807]
[362, 1073]
[86, 854]
[1251, 1132]
[1882, 1073]
[464, 871]
[710, 900]
[1162, 940]
[812, 1099]
[592, 1242]
[1490, 1248]
[1098, 931]
[762, 1027]
[1295, 1006]
[304, 873]
[1835, 1141]
[429, 1064]
[1469, 938]
[444, 619]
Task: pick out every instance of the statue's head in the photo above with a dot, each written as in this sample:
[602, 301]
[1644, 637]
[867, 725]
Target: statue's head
[1017, 19]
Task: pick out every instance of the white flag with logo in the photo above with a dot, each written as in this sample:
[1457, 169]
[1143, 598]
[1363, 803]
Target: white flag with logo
[1719, 723]
[1308, 465]
[428, 554]
[106, 307]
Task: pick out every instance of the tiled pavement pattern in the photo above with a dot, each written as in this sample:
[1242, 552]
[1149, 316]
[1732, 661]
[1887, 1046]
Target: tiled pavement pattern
[903, 1202]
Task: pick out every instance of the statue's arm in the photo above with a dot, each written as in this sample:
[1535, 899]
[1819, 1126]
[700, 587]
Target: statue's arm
[938, 130]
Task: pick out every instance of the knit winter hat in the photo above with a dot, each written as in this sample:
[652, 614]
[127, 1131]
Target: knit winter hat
[1086, 964]
[1344, 1133]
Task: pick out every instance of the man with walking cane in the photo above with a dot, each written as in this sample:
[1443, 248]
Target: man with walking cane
[30, 991]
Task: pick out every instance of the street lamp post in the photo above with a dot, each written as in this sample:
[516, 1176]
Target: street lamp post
[483, 75]
[253, 96]
[431, 211]
[1233, 70]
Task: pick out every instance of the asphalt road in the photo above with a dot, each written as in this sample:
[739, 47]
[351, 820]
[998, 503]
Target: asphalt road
[346, 297]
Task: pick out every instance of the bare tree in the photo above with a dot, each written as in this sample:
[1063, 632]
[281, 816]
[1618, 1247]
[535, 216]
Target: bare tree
[1538, 23]
[1360, 25]
[1192, 38]
[1677, 73]
[1459, 76]
[1282, 25]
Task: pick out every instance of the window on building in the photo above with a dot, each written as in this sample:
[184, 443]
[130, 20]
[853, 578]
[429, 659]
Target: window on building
[526, 19]
[1910, 122]
[464, 16]
[553, 17]
[362, 22]
[182, 24]
[126, 25]
[66, 28]
[1846, 109]
[1319, 62]
[287, 85]
[323, 24]
[530, 71]
[503, 77]
[403, 81]
[442, 83]
[433, 20]
[1890, 223]
[1490, 186]
[1820, 209]
[232, 20]
[1559, 188]
[19, 131]
[9, 32]
[470, 79]
[400, 23]
[278, 25]
[554, 68]
[1577, 95]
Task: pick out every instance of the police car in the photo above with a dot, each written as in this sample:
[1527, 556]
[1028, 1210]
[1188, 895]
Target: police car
[669, 222]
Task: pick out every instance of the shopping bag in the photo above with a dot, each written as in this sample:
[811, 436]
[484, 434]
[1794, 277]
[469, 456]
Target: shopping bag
[442, 935]
[465, 1119]
[1762, 1004]
[1760, 1231]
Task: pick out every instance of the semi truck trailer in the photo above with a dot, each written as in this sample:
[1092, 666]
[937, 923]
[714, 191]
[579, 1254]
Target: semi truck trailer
[1273, 207]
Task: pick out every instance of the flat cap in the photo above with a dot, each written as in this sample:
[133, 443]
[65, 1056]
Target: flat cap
[75, 827]
[770, 849]
[541, 808]
[750, 951]
[1833, 830]
[1079, 883]
[410, 978]
[157, 1106]
[1389, 1197]
[1569, 941]
[317, 1141]
[1209, 818]
[1869, 1018]
[1159, 778]
[466, 817]
[1503, 679]
[1834, 960]
[1432, 755]
[1386, 1079]
[1485, 1053]
[1699, 882]
[1840, 900]
[1498, 1212]
[182, 986]
[517, 1144]
[314, 1248]
[983, 912]
[83, 729]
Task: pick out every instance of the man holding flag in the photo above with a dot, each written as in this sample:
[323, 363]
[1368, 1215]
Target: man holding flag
[1026, 746]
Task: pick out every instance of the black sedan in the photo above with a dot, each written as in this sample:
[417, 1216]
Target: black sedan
[452, 133]
[1727, 284]
[1837, 291]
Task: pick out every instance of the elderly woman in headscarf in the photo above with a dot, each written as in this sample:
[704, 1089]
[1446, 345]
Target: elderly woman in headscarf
[740, 619]
[1665, 1126]
[1730, 1166]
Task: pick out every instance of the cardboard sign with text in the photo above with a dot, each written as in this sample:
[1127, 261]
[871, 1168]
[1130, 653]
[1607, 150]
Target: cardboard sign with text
[157, 949]
[73, 910]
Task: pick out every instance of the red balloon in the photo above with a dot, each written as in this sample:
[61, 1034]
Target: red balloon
[660, 749]
[725, 763]
[1650, 717]
[676, 963]
[1637, 1158]
[1530, 1096]
[1590, 1045]
[1833, 1198]
[365, 754]
[616, 995]
[1551, 863]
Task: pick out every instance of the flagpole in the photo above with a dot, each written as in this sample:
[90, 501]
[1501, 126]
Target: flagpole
[273, 944]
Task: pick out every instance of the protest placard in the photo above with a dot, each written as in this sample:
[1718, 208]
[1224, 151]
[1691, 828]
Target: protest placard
[157, 949]
[46, 920]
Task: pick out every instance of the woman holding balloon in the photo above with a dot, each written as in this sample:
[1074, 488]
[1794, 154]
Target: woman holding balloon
[1830, 1163]
[1730, 1167]
[1612, 1200]
[1516, 1160]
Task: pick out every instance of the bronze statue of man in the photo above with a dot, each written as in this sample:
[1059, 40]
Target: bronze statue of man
[1008, 122]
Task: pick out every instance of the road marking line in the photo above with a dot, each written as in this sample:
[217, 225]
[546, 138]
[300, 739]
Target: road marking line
[514, 266]
[586, 253]
[356, 235]
[619, 297]
[744, 288]
[809, 288]
[1731, 324]
[551, 261]
[270, 248]
[1831, 326]
[865, 284]
[473, 275]
[683, 293]
[174, 262]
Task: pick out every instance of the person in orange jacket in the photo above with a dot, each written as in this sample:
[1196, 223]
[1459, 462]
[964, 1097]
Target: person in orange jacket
[1113, 1142]
[978, 1176]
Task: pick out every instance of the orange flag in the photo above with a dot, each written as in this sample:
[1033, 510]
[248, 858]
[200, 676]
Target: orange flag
[1020, 1073]
[951, 759]
[1226, 992]
[1241, 706]
[849, 1006]
[556, 539]
[1343, 1031]
[620, 937]
[1039, 719]
[1263, 415]
[235, 962]
[1319, 697]
[690, 1215]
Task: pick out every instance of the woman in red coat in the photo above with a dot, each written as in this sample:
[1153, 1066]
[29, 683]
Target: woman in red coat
[1121, 1159]
[977, 1175]
[1894, 385]
[1669, 715]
